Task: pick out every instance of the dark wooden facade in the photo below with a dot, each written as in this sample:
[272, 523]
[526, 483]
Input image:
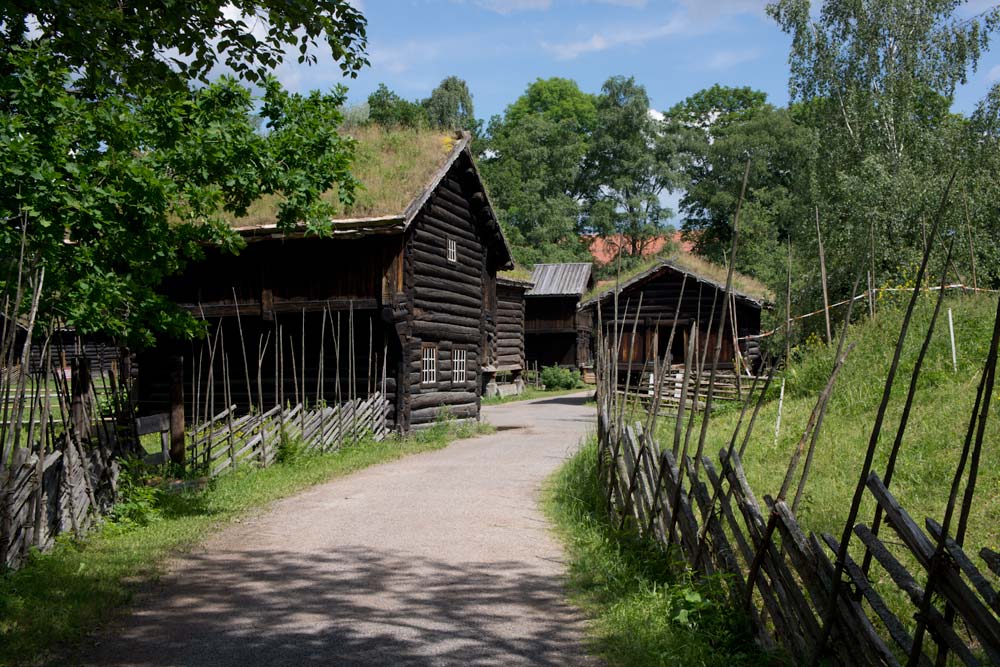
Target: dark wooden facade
[556, 332]
[659, 290]
[510, 325]
[355, 313]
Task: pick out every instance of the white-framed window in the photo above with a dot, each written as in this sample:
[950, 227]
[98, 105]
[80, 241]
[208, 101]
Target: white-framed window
[428, 364]
[452, 251]
[458, 367]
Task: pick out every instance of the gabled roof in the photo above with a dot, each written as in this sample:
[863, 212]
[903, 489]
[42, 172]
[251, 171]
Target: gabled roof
[677, 265]
[561, 279]
[398, 171]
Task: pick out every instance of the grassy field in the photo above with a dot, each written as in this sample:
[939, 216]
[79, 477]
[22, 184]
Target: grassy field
[643, 612]
[933, 440]
[55, 600]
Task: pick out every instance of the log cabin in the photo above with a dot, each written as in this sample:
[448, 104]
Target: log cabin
[659, 286]
[556, 332]
[509, 341]
[400, 298]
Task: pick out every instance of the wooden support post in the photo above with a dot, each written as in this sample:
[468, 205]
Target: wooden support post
[177, 410]
[951, 330]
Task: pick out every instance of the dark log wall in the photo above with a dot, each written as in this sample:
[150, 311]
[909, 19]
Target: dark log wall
[552, 331]
[659, 298]
[551, 313]
[450, 303]
[510, 327]
[289, 274]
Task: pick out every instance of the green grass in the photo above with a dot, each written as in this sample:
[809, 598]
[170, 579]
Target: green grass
[645, 611]
[531, 393]
[51, 603]
[933, 440]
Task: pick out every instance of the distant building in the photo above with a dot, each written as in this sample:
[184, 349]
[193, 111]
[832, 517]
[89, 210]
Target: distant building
[555, 332]
[697, 285]
[604, 249]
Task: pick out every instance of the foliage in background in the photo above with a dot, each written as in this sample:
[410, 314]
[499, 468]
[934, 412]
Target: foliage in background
[114, 167]
[449, 107]
[645, 610]
[531, 159]
[557, 377]
[631, 160]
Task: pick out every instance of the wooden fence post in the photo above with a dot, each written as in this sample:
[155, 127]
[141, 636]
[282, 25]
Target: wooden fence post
[177, 409]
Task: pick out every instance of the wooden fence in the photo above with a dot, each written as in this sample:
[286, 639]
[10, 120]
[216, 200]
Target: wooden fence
[713, 516]
[226, 441]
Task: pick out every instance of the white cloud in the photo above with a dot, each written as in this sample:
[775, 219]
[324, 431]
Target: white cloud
[622, 37]
[993, 74]
[700, 11]
[727, 59]
[508, 6]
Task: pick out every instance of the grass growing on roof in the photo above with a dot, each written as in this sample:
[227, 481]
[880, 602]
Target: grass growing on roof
[693, 264]
[48, 606]
[393, 166]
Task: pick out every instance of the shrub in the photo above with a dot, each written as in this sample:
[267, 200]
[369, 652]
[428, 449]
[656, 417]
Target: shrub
[554, 377]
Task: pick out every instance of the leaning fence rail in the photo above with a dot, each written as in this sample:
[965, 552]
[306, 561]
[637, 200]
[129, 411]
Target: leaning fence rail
[226, 441]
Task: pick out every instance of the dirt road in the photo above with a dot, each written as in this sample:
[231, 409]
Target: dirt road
[441, 558]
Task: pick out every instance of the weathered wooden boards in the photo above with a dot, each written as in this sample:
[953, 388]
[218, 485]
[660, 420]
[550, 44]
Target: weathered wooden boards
[793, 585]
[64, 473]
[226, 441]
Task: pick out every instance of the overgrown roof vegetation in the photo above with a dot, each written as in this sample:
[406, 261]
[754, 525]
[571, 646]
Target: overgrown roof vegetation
[519, 273]
[392, 166]
[693, 264]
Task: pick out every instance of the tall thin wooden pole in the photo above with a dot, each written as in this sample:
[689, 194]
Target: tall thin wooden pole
[822, 273]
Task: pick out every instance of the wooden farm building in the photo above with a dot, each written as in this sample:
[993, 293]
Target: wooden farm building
[556, 332]
[660, 287]
[402, 298]
[509, 341]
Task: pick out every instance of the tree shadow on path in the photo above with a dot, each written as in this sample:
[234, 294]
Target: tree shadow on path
[348, 607]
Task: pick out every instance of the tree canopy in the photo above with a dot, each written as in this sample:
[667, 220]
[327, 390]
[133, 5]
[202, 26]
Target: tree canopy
[114, 168]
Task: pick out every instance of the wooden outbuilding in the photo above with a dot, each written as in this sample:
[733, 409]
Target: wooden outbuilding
[400, 299]
[699, 287]
[556, 333]
[509, 340]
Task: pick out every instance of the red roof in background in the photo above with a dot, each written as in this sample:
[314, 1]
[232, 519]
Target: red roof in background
[605, 248]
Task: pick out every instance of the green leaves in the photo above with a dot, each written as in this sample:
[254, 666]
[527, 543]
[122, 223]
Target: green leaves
[157, 44]
[116, 194]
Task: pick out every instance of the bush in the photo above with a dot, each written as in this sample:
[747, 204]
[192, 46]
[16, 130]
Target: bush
[554, 377]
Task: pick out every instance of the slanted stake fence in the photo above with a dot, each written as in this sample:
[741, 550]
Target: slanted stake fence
[226, 442]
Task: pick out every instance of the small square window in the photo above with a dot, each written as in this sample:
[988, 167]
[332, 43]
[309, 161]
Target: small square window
[428, 364]
[458, 366]
[452, 251]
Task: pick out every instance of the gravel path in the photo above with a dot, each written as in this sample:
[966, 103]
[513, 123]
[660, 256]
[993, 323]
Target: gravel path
[441, 558]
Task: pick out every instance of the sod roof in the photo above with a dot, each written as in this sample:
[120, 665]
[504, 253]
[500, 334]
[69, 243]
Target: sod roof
[393, 166]
[693, 265]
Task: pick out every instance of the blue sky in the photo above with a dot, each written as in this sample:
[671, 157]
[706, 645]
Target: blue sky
[673, 47]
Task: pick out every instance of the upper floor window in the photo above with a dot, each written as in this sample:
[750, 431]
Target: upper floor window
[452, 251]
[428, 364]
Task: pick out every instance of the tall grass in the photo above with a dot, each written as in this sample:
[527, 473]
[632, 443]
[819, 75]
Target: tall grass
[646, 611]
[934, 436]
[51, 603]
